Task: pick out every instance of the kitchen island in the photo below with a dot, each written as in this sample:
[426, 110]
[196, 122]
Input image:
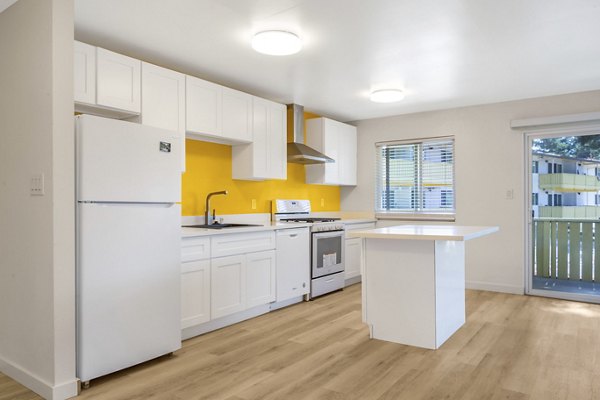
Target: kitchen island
[414, 281]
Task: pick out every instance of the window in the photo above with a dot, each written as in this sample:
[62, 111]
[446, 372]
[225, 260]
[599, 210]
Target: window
[535, 167]
[534, 199]
[415, 177]
[550, 200]
[597, 198]
[558, 199]
[557, 168]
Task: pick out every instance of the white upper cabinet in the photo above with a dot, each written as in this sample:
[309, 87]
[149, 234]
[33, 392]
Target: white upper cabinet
[347, 140]
[217, 114]
[106, 83]
[338, 141]
[118, 81]
[163, 101]
[237, 116]
[266, 156]
[84, 72]
[203, 107]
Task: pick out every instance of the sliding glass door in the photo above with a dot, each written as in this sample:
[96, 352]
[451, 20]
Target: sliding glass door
[564, 214]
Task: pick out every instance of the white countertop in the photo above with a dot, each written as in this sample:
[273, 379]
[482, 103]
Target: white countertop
[425, 232]
[193, 232]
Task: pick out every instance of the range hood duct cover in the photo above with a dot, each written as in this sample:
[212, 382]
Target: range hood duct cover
[297, 151]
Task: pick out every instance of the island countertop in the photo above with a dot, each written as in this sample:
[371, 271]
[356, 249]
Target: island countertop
[425, 232]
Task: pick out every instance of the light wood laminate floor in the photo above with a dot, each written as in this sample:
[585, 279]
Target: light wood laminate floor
[512, 347]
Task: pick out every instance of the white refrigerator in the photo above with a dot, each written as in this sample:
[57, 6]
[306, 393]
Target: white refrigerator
[128, 244]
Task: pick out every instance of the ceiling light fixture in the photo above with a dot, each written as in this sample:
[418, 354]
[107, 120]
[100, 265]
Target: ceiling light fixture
[276, 43]
[387, 95]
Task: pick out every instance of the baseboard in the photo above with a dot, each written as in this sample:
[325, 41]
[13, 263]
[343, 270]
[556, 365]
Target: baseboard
[495, 287]
[63, 391]
[352, 281]
[287, 303]
[222, 322]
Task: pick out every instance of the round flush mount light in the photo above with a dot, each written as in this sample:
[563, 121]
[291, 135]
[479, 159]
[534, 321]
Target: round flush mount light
[276, 43]
[387, 95]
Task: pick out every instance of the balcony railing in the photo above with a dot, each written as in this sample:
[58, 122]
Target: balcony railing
[566, 249]
[570, 212]
[569, 182]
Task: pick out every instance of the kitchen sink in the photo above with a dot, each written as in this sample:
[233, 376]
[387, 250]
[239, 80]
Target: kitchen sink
[219, 226]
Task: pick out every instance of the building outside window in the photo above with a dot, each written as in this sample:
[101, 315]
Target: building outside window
[534, 199]
[415, 177]
[535, 167]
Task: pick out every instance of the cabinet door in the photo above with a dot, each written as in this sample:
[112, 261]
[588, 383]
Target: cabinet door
[331, 141]
[228, 284]
[236, 121]
[353, 253]
[163, 101]
[266, 156]
[203, 106]
[84, 57]
[260, 132]
[293, 263]
[347, 155]
[118, 81]
[260, 278]
[277, 142]
[195, 293]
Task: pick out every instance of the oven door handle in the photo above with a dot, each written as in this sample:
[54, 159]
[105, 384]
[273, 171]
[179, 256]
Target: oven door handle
[328, 234]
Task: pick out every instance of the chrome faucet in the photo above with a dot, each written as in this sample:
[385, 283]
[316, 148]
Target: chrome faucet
[208, 220]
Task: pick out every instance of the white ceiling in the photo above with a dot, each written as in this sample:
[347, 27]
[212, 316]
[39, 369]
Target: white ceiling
[444, 54]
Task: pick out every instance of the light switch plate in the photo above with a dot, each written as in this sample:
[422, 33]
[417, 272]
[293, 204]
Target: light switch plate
[37, 185]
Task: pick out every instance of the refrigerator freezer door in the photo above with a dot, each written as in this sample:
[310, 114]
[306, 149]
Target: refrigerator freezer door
[121, 161]
[128, 281]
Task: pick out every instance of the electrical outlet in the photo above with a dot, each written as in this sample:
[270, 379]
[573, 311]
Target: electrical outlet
[37, 185]
[254, 204]
[322, 202]
[510, 194]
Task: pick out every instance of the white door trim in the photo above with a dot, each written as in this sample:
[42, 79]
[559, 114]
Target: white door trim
[574, 129]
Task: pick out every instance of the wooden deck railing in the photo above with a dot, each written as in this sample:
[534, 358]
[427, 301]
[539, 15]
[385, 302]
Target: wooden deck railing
[567, 249]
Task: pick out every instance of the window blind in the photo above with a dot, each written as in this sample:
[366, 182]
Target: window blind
[415, 177]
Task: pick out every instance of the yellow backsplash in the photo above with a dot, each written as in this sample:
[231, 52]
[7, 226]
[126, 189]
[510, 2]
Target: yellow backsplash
[208, 169]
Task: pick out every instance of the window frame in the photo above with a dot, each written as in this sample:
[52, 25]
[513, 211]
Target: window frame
[413, 215]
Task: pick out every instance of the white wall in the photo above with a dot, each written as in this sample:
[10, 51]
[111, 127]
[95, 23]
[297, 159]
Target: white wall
[489, 162]
[37, 262]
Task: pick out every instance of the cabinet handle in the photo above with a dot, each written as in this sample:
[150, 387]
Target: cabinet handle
[293, 235]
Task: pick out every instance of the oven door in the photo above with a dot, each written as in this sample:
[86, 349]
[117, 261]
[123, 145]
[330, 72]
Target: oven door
[327, 253]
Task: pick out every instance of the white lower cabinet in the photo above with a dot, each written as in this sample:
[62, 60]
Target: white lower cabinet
[228, 281]
[260, 278]
[242, 282]
[354, 252]
[353, 257]
[195, 293]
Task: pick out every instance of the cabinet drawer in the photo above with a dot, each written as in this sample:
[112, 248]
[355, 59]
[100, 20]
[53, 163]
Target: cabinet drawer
[195, 248]
[240, 243]
[354, 227]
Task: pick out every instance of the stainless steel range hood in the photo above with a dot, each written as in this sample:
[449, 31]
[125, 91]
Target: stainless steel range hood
[297, 151]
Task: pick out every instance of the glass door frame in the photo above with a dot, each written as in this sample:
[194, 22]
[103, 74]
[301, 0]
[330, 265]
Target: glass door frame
[530, 136]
